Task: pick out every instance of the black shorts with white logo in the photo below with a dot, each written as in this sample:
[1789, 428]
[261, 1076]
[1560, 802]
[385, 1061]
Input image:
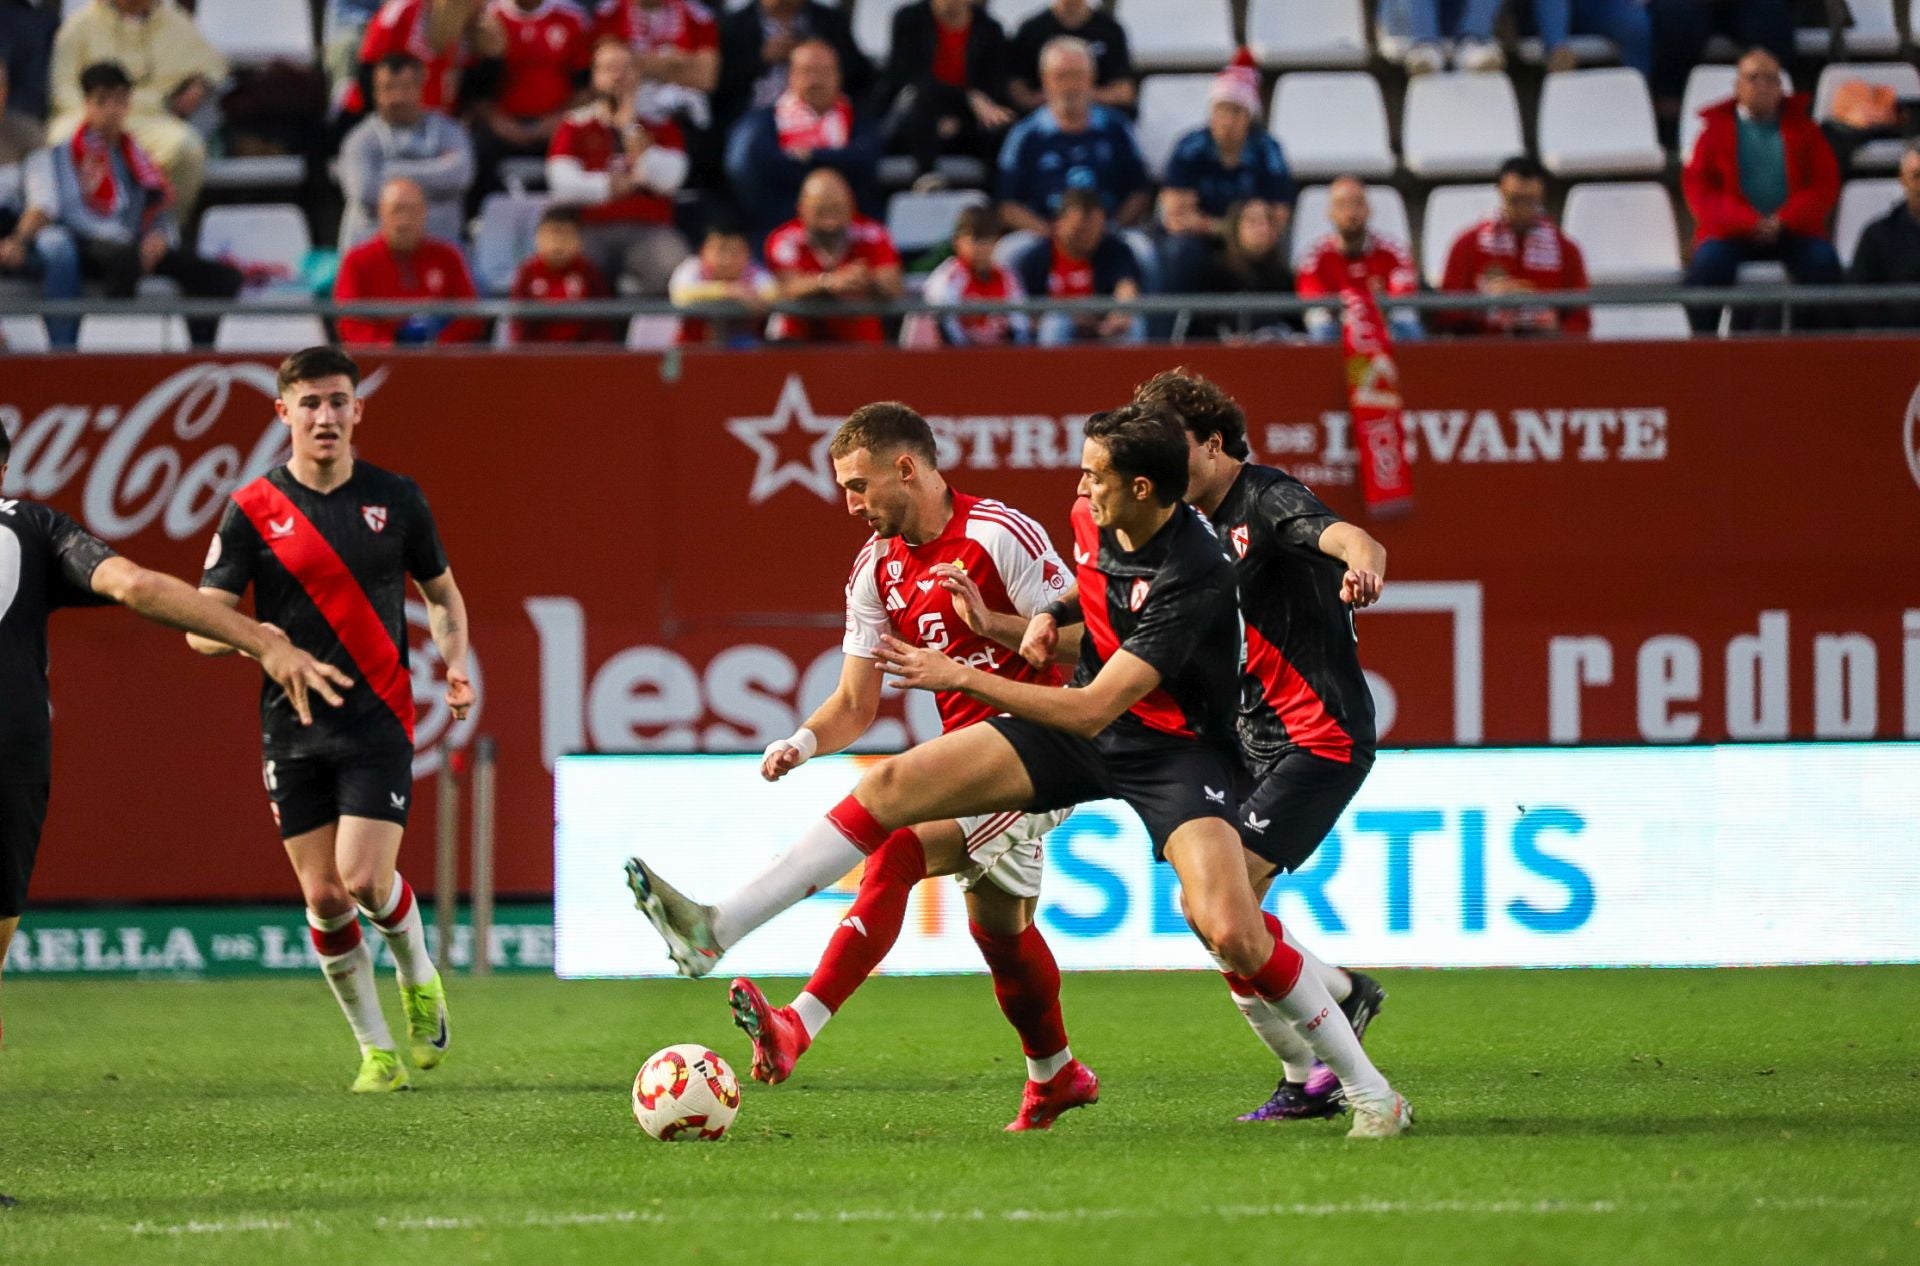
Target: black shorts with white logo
[309, 791]
[1289, 808]
[1167, 781]
[26, 777]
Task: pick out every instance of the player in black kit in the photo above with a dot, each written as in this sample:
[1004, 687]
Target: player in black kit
[327, 542]
[1306, 712]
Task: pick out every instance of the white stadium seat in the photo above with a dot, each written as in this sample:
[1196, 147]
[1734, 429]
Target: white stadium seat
[1598, 123]
[1388, 219]
[1625, 231]
[1179, 34]
[133, 332]
[264, 171]
[916, 221]
[255, 32]
[873, 25]
[1613, 322]
[1170, 107]
[1330, 123]
[1861, 203]
[502, 239]
[1459, 125]
[1900, 76]
[271, 236]
[652, 333]
[1289, 33]
[23, 334]
[268, 335]
[1450, 210]
[1588, 50]
[1873, 32]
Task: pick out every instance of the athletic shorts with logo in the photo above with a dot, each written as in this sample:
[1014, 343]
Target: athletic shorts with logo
[1006, 848]
[26, 777]
[312, 789]
[1287, 809]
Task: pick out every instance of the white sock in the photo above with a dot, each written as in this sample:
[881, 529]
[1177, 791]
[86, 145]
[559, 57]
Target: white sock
[1046, 1069]
[1338, 983]
[1324, 1028]
[813, 1013]
[406, 937]
[1277, 1032]
[350, 976]
[822, 856]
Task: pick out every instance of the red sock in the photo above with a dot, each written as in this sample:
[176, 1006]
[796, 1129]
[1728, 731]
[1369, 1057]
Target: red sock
[873, 923]
[1026, 982]
[861, 828]
[1281, 972]
[402, 902]
[334, 936]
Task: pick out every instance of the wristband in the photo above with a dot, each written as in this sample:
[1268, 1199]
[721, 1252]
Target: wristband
[1063, 612]
[803, 741]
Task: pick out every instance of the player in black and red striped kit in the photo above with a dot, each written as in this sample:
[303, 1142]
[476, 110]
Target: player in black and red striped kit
[327, 542]
[1306, 713]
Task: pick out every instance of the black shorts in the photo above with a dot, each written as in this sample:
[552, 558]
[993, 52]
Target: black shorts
[1286, 810]
[1168, 781]
[310, 790]
[26, 776]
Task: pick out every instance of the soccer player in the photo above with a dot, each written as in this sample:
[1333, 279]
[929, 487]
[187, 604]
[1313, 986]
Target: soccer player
[1149, 718]
[327, 542]
[48, 561]
[884, 457]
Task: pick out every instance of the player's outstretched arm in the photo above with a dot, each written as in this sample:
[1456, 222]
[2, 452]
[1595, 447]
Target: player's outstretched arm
[1366, 561]
[1125, 680]
[447, 622]
[1051, 645]
[834, 725]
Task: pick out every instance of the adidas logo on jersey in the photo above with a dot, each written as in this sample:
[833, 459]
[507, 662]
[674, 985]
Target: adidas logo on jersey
[894, 601]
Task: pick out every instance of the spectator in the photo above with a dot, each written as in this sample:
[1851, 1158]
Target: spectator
[98, 206]
[830, 255]
[1354, 256]
[26, 45]
[343, 29]
[723, 272]
[449, 37]
[1115, 84]
[1249, 259]
[403, 138]
[944, 90]
[811, 125]
[1517, 250]
[174, 71]
[757, 43]
[1079, 260]
[1625, 22]
[1761, 184]
[622, 171]
[548, 53]
[403, 262]
[1681, 29]
[1423, 26]
[972, 273]
[676, 46]
[558, 271]
[1889, 253]
[1227, 161]
[1071, 142]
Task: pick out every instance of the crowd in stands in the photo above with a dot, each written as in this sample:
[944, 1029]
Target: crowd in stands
[747, 156]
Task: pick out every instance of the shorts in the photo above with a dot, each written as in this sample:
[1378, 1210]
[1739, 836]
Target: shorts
[25, 780]
[1167, 781]
[1005, 847]
[310, 791]
[1290, 807]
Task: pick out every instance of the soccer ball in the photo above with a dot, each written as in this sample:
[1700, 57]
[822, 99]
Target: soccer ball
[685, 1092]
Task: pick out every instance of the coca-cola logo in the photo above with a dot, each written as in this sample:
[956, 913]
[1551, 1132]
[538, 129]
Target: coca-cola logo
[159, 462]
[1912, 435]
[434, 729]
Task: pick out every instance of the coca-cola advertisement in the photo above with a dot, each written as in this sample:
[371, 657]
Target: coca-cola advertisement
[1609, 544]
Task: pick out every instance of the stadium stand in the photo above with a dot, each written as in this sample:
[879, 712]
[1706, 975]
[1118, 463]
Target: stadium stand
[1879, 154]
[132, 332]
[1626, 230]
[268, 335]
[1598, 123]
[1450, 209]
[917, 221]
[1170, 105]
[1179, 34]
[1861, 203]
[259, 32]
[1459, 125]
[1332, 122]
[1286, 34]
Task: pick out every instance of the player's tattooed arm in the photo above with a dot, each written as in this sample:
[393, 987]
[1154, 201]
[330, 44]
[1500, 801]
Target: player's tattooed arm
[1366, 561]
[447, 622]
[1125, 680]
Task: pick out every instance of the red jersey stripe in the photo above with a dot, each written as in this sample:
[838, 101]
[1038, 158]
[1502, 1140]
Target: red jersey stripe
[1308, 722]
[1024, 528]
[1157, 710]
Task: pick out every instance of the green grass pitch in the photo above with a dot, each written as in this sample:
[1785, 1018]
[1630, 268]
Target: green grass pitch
[1609, 1117]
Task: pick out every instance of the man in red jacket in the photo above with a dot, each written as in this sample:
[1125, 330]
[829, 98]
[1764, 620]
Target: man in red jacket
[402, 262]
[1761, 184]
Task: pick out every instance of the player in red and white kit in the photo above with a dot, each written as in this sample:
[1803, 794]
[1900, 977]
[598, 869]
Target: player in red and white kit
[884, 458]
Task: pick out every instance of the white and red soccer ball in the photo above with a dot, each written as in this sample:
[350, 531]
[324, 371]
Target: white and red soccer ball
[685, 1092]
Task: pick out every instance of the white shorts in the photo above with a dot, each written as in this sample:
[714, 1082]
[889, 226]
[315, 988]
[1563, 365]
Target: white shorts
[1006, 847]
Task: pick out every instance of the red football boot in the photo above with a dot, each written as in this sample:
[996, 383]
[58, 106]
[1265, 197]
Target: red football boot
[1074, 1086]
[779, 1039]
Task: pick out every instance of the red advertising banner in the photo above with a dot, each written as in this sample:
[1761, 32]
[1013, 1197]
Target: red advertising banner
[1612, 543]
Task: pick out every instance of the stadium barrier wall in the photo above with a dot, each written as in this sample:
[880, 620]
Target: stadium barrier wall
[1610, 543]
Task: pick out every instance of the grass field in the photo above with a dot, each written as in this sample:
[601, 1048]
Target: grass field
[1617, 1117]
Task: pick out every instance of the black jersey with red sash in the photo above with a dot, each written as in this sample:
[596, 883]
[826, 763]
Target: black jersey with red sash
[1171, 602]
[1304, 690]
[331, 570]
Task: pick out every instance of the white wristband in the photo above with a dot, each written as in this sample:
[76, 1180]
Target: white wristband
[802, 741]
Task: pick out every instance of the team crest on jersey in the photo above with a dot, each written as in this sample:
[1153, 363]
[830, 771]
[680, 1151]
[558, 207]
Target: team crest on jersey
[1137, 596]
[894, 568]
[376, 517]
[1238, 536]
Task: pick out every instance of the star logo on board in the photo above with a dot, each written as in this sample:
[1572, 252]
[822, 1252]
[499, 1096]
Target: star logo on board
[789, 445]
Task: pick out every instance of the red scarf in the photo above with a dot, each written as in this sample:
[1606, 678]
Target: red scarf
[1373, 402]
[801, 127]
[93, 168]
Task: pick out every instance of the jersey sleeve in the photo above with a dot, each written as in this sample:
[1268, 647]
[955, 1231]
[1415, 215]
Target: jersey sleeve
[232, 552]
[1294, 515]
[73, 553]
[425, 556]
[866, 617]
[1029, 569]
[1177, 605]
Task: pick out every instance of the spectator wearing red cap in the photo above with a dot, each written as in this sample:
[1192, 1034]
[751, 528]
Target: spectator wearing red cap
[1517, 250]
[1228, 161]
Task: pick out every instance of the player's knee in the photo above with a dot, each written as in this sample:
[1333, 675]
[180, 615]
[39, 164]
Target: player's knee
[1241, 943]
[328, 900]
[366, 891]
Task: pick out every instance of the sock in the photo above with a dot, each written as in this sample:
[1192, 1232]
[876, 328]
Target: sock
[1026, 983]
[406, 936]
[830, 848]
[872, 924]
[348, 966]
[1273, 1029]
[1338, 983]
[1302, 998]
[813, 1014]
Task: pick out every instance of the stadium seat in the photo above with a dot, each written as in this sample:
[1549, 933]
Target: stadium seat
[1458, 125]
[268, 242]
[268, 335]
[524, 175]
[1180, 34]
[1903, 78]
[1873, 32]
[1011, 13]
[265, 171]
[1330, 123]
[1707, 85]
[1450, 210]
[1598, 123]
[652, 333]
[1389, 217]
[22, 334]
[873, 25]
[502, 239]
[917, 221]
[1626, 231]
[1289, 33]
[1170, 106]
[133, 332]
[1614, 322]
[1588, 50]
[255, 32]
[1861, 203]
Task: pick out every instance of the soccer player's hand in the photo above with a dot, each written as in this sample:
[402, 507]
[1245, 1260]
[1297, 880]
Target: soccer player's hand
[783, 756]
[918, 668]
[968, 602]
[460, 696]
[1041, 640]
[1360, 589]
[299, 674]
